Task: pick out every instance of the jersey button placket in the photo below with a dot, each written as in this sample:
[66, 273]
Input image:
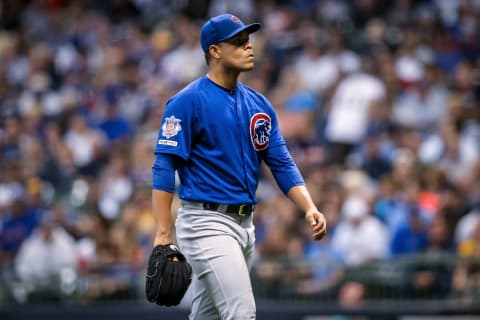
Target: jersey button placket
[242, 138]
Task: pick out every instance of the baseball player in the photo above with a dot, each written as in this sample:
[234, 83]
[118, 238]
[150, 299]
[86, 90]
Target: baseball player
[215, 133]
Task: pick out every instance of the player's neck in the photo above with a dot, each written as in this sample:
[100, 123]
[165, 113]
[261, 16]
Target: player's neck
[224, 79]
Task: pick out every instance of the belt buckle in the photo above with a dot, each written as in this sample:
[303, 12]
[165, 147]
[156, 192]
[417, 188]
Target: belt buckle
[242, 208]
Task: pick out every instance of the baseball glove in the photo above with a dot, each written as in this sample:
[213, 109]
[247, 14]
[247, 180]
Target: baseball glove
[167, 279]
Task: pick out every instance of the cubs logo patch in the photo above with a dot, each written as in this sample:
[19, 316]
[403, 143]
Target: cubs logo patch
[260, 127]
[171, 127]
[236, 20]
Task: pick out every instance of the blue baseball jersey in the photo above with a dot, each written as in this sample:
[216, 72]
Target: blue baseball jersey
[223, 136]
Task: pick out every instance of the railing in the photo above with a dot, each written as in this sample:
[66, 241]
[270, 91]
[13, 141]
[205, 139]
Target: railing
[434, 283]
[410, 279]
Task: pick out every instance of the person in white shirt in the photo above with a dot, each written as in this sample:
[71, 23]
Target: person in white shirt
[348, 118]
[359, 237]
[45, 254]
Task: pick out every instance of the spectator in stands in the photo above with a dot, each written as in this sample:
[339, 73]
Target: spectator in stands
[466, 277]
[184, 63]
[453, 152]
[116, 129]
[439, 239]
[373, 154]
[46, 255]
[466, 226]
[88, 145]
[352, 295]
[350, 110]
[59, 167]
[115, 186]
[410, 237]
[398, 191]
[360, 237]
[19, 222]
[325, 269]
[430, 275]
[316, 71]
[422, 104]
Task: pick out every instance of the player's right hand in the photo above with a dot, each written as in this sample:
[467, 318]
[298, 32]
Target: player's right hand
[318, 223]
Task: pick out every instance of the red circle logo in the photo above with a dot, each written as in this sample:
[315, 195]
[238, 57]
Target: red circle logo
[236, 20]
[260, 128]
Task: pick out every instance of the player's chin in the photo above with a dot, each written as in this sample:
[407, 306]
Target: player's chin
[248, 66]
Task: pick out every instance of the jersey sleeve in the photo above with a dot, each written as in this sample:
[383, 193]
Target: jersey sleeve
[176, 131]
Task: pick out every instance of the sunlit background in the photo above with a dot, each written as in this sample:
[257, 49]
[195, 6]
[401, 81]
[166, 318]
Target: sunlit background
[379, 102]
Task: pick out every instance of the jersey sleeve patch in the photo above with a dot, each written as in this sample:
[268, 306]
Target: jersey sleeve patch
[170, 128]
[168, 142]
[260, 128]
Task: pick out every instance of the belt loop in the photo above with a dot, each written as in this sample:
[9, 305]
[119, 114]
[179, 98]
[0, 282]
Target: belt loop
[241, 209]
[222, 208]
[209, 206]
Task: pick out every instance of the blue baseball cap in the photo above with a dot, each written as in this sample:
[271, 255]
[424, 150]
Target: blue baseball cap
[223, 27]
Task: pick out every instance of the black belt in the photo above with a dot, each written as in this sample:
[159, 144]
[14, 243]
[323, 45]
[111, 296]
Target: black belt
[241, 210]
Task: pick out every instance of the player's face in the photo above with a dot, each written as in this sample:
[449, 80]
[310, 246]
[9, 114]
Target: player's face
[237, 52]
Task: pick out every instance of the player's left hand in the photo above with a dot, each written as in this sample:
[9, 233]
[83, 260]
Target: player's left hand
[168, 275]
[318, 223]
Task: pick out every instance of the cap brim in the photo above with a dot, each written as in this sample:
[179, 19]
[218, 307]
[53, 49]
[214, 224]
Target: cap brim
[250, 28]
[253, 27]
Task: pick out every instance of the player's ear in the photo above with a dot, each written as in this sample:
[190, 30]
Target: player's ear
[214, 51]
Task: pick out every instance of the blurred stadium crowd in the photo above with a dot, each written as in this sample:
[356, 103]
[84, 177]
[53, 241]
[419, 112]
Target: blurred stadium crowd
[379, 102]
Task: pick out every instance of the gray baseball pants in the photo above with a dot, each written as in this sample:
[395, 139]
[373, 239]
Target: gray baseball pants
[220, 249]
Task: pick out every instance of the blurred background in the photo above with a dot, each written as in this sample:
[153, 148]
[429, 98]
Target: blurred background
[379, 102]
